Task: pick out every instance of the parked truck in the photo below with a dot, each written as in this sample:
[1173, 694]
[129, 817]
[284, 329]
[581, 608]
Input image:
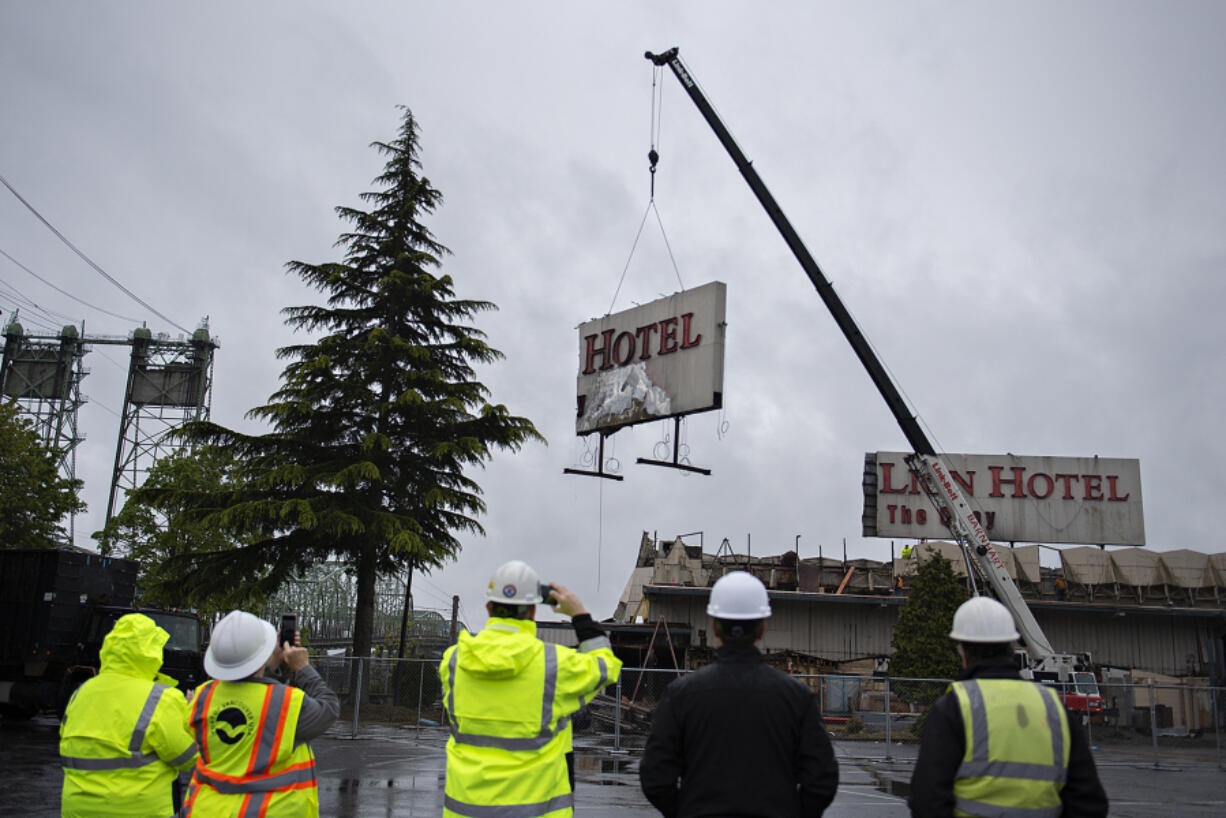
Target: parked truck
[56, 606]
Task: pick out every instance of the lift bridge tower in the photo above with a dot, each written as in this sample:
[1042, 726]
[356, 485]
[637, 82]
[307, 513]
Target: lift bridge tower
[170, 383]
[42, 374]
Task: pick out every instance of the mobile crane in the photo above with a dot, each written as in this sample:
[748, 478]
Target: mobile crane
[1043, 661]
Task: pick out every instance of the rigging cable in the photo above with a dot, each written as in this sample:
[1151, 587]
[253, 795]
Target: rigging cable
[653, 159]
[88, 260]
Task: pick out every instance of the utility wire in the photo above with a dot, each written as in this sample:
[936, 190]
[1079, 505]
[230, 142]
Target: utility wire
[65, 292]
[24, 301]
[90, 261]
[36, 322]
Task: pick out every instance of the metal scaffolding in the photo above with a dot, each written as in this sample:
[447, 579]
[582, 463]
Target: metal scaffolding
[42, 374]
[170, 383]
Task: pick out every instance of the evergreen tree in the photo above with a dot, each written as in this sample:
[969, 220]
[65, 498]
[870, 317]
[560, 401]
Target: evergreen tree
[34, 496]
[377, 422]
[921, 643]
[157, 537]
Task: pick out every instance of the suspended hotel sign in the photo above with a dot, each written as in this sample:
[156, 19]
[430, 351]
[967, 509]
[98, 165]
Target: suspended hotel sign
[663, 359]
[1092, 500]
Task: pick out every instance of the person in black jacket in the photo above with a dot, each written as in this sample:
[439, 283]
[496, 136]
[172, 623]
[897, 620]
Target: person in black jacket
[1016, 717]
[738, 737]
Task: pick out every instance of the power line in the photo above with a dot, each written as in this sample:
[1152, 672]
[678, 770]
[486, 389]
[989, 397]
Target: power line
[90, 261]
[25, 300]
[65, 292]
[37, 322]
[42, 316]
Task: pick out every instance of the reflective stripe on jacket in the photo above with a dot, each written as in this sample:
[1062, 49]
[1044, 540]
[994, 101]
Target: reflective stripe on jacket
[1017, 749]
[124, 736]
[248, 763]
[509, 698]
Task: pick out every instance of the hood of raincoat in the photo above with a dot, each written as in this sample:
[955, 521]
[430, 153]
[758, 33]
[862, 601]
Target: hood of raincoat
[134, 647]
[501, 650]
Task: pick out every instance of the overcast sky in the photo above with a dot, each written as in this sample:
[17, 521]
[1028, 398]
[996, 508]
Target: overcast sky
[1022, 205]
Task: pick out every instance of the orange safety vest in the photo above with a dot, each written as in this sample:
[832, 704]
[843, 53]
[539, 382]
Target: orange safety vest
[249, 766]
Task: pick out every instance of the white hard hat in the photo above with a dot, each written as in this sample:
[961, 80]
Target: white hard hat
[240, 646]
[983, 619]
[514, 583]
[738, 595]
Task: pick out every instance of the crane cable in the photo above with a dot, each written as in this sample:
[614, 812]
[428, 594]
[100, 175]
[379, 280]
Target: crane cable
[653, 159]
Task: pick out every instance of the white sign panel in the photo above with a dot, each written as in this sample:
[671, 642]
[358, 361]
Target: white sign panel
[1092, 500]
[662, 359]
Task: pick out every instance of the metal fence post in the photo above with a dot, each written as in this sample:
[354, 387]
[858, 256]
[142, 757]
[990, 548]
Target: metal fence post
[1217, 727]
[421, 683]
[617, 716]
[1153, 721]
[889, 718]
[357, 701]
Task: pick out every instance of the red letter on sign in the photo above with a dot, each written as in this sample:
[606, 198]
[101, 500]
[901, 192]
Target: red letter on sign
[1042, 495]
[886, 470]
[644, 336]
[668, 335]
[1019, 475]
[619, 358]
[686, 341]
[1111, 478]
[1068, 479]
[1094, 487]
[593, 351]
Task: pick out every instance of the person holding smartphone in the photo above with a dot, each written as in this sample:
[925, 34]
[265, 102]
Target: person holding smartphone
[253, 729]
[510, 697]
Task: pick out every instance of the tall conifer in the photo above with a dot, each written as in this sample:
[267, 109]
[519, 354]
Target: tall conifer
[380, 419]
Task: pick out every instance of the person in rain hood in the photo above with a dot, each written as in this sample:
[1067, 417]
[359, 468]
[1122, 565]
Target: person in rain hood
[124, 737]
[510, 697]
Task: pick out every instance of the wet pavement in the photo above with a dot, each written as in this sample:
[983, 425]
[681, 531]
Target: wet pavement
[398, 771]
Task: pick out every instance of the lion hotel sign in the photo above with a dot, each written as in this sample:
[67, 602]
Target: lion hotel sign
[1091, 500]
[662, 359]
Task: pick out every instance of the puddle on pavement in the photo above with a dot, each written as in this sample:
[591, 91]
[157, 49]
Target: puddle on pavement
[601, 764]
[891, 786]
[352, 785]
[605, 771]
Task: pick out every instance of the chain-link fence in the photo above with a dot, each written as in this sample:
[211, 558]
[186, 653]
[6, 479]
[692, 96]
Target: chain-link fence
[401, 692]
[1150, 720]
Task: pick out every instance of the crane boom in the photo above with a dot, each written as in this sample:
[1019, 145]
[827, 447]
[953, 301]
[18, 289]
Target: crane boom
[934, 475]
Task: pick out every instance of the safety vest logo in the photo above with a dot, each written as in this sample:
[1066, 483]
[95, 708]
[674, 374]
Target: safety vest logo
[232, 723]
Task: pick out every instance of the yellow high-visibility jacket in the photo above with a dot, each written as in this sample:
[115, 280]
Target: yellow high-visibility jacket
[124, 736]
[1017, 749]
[509, 697]
[248, 763]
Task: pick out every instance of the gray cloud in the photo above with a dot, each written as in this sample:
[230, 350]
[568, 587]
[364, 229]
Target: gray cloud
[1021, 205]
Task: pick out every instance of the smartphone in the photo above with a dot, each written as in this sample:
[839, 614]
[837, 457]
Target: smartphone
[547, 597]
[289, 624]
